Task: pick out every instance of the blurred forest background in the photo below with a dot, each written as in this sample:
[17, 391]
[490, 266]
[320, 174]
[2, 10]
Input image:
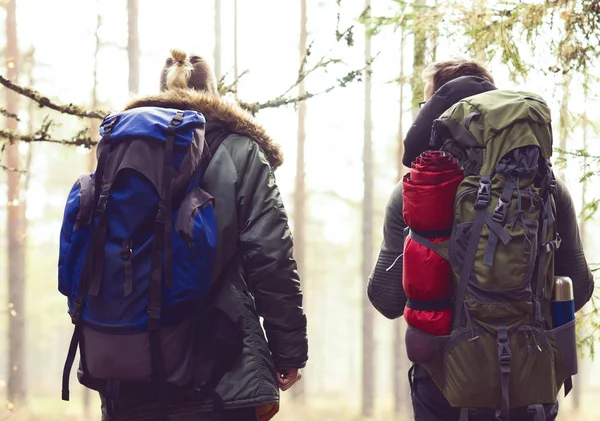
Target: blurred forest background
[357, 63]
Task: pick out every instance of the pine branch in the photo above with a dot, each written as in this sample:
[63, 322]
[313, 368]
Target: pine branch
[10, 169]
[282, 100]
[225, 88]
[46, 102]
[43, 135]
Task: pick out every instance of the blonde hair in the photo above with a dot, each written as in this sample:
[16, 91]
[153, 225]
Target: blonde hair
[179, 73]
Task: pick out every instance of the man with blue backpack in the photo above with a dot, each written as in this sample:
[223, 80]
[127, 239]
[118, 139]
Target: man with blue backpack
[169, 254]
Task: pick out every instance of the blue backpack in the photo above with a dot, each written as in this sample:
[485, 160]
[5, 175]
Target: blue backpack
[137, 250]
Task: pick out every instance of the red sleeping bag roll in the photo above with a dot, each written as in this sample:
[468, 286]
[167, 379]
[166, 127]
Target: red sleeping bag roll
[428, 192]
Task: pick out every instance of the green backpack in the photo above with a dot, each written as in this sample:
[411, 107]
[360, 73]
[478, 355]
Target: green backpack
[503, 352]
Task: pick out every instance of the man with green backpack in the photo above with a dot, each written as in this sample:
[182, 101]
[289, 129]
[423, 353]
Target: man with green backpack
[514, 230]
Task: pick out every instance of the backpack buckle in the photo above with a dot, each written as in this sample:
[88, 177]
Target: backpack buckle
[77, 310]
[101, 207]
[177, 120]
[161, 215]
[504, 354]
[153, 317]
[484, 193]
[500, 211]
[552, 184]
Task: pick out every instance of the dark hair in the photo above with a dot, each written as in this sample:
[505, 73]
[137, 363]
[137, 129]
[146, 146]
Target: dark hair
[181, 72]
[442, 72]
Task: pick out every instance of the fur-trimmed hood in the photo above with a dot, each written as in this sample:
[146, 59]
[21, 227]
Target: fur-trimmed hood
[216, 110]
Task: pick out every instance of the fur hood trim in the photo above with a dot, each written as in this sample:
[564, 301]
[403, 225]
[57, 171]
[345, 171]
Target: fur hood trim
[216, 110]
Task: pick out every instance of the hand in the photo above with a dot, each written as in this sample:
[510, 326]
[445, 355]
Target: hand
[288, 377]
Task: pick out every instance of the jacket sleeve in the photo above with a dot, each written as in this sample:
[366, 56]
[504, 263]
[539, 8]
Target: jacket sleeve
[385, 289]
[266, 248]
[569, 259]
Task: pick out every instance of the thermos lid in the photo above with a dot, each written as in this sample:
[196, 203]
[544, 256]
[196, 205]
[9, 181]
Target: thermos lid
[563, 289]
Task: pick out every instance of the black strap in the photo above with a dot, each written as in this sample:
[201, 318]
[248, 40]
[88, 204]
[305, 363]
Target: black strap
[409, 233]
[470, 118]
[482, 201]
[97, 245]
[213, 139]
[87, 271]
[429, 305]
[504, 358]
[434, 233]
[498, 216]
[546, 218]
[167, 193]
[538, 410]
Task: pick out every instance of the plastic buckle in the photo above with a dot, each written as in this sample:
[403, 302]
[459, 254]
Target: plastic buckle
[108, 127]
[161, 218]
[178, 119]
[77, 310]
[483, 194]
[504, 354]
[500, 211]
[101, 208]
[553, 184]
[153, 318]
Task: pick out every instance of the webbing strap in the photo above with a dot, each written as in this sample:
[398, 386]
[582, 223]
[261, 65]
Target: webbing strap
[541, 272]
[497, 221]
[464, 414]
[538, 410]
[483, 199]
[97, 246]
[167, 193]
[86, 273]
[408, 233]
[504, 358]
[429, 305]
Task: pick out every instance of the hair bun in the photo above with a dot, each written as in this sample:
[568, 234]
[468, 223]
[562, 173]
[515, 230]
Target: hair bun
[178, 55]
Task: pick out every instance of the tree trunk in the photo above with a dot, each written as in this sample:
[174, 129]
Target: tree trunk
[419, 50]
[481, 6]
[400, 136]
[400, 363]
[15, 228]
[578, 380]
[236, 73]
[564, 121]
[217, 49]
[300, 190]
[368, 346]
[133, 47]
[94, 128]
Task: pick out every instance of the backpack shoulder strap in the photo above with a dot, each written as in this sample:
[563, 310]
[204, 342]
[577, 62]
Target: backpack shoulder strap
[214, 138]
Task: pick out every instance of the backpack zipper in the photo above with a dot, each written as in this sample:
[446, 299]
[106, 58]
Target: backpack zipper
[127, 255]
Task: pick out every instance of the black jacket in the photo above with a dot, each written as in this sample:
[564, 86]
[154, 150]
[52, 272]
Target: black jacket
[385, 284]
[254, 256]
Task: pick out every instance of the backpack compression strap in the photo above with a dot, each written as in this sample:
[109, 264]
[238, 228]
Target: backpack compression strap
[88, 266]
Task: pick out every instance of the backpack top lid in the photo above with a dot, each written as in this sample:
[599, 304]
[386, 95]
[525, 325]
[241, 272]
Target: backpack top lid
[152, 122]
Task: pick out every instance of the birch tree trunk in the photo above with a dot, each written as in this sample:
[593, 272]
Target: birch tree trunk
[16, 388]
[368, 346]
